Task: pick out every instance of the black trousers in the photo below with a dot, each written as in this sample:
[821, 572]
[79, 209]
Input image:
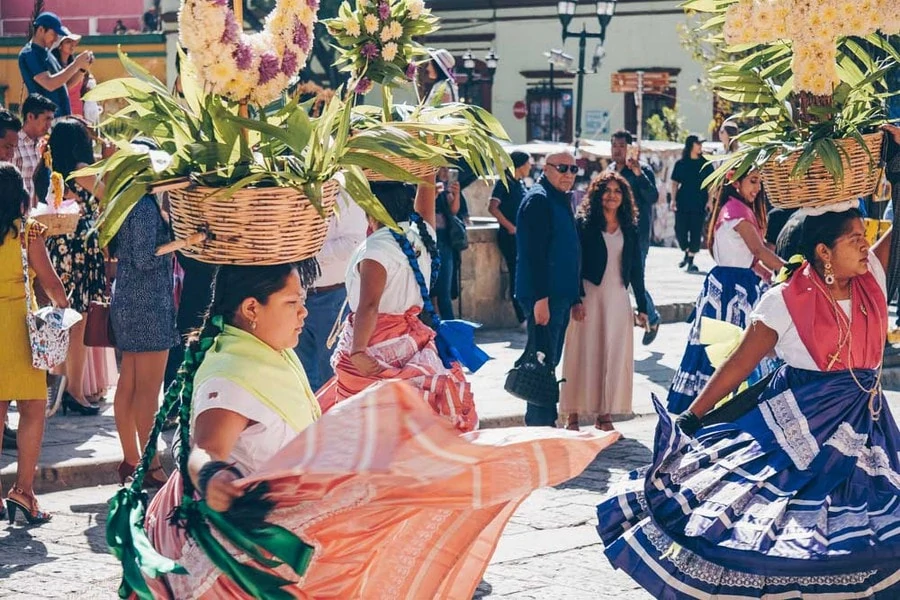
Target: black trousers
[507, 244]
[689, 229]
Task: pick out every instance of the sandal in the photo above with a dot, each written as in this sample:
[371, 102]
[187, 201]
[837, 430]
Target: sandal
[155, 483]
[18, 500]
[572, 422]
[604, 423]
[125, 471]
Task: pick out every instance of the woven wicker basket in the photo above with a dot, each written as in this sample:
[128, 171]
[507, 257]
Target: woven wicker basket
[255, 226]
[817, 187]
[59, 224]
[418, 169]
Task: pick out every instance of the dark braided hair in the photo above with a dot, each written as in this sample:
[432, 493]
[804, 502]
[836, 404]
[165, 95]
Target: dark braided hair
[231, 286]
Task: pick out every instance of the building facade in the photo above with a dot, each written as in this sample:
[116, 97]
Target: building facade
[642, 35]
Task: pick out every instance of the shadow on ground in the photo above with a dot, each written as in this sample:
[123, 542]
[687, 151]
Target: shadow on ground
[626, 454]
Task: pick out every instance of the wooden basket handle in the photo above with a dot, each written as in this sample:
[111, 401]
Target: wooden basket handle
[192, 240]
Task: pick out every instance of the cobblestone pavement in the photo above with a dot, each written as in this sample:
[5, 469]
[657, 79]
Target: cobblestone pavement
[550, 549]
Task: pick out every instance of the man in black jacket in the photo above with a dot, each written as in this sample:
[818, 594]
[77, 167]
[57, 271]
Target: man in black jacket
[548, 267]
[643, 186]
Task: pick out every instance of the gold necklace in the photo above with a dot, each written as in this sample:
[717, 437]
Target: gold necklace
[839, 320]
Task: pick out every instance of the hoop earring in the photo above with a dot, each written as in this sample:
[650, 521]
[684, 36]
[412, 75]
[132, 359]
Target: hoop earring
[829, 274]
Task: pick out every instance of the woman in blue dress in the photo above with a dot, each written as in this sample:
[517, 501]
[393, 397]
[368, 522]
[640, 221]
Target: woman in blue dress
[800, 496]
[734, 286]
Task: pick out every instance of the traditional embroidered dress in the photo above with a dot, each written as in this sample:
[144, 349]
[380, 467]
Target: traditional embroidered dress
[729, 293]
[800, 497]
[401, 343]
[394, 502]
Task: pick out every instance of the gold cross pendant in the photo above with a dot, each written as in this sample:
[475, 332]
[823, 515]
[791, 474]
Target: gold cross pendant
[835, 358]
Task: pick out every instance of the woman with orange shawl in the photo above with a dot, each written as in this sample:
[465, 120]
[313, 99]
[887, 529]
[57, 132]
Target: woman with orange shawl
[379, 498]
[383, 338]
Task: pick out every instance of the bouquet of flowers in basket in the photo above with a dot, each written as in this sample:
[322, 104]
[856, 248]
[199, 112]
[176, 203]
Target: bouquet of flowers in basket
[810, 75]
[377, 41]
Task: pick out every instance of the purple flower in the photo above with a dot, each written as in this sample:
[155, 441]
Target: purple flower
[369, 50]
[243, 55]
[384, 10]
[289, 63]
[231, 32]
[313, 4]
[301, 36]
[268, 67]
[364, 85]
[220, 2]
[411, 69]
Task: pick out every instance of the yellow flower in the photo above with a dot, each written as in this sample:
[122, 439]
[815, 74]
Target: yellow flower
[361, 4]
[222, 72]
[386, 33]
[416, 7]
[389, 52]
[396, 30]
[351, 26]
[371, 24]
[306, 15]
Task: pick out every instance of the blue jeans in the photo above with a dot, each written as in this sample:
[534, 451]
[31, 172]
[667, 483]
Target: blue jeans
[549, 340]
[652, 314]
[444, 288]
[312, 348]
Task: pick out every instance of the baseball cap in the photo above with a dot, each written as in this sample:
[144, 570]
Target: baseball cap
[694, 139]
[49, 20]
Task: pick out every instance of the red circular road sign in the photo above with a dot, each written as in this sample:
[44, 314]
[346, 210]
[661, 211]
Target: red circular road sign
[520, 109]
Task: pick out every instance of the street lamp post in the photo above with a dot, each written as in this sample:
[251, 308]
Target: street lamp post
[566, 12]
[491, 60]
[556, 58]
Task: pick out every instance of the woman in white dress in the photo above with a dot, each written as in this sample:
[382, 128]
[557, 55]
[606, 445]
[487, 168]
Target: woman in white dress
[598, 357]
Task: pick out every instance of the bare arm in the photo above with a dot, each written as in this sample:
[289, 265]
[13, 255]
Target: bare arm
[75, 80]
[39, 260]
[757, 246]
[759, 340]
[425, 195]
[675, 186]
[494, 209]
[215, 433]
[57, 80]
[373, 278]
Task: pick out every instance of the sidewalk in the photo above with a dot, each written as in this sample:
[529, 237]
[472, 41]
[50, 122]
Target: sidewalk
[83, 451]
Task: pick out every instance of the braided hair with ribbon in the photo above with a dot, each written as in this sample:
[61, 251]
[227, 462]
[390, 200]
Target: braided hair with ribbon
[243, 525]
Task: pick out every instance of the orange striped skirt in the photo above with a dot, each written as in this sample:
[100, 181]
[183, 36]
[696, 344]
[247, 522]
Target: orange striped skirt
[404, 346]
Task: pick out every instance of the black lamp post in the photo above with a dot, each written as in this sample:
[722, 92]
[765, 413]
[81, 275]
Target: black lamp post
[490, 60]
[556, 58]
[566, 11]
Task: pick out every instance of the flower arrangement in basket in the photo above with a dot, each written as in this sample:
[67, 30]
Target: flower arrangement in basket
[378, 46]
[59, 215]
[812, 75]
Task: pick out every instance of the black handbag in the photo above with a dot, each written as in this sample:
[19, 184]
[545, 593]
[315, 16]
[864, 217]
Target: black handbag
[740, 404]
[533, 380]
[456, 230]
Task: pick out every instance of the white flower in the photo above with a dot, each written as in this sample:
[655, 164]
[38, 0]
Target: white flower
[351, 26]
[396, 30]
[389, 52]
[416, 7]
[371, 24]
[386, 33]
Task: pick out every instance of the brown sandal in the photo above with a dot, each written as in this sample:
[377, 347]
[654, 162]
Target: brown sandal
[604, 423]
[572, 422]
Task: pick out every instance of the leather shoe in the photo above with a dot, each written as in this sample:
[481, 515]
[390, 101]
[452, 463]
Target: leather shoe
[650, 335]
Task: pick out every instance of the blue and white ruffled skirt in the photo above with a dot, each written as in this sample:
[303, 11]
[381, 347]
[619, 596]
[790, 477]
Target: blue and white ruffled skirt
[799, 498]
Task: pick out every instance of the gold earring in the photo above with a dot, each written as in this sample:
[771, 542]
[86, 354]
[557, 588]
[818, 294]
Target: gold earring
[829, 274]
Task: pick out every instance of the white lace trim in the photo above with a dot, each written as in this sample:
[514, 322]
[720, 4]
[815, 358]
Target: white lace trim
[874, 461]
[783, 416]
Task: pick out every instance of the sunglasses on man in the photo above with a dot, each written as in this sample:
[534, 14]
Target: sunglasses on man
[563, 169]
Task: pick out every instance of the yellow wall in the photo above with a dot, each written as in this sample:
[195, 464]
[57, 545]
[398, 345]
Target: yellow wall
[149, 50]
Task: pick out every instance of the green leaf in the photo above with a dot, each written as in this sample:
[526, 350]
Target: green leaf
[357, 187]
[116, 211]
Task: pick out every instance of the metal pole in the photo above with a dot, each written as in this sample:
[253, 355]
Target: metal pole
[552, 106]
[582, 47]
[639, 100]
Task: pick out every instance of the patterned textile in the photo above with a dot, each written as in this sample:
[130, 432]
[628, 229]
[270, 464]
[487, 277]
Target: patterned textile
[78, 259]
[799, 498]
[404, 346]
[26, 160]
[729, 294]
[395, 502]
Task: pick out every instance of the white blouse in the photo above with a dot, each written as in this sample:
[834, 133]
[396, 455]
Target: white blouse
[401, 291]
[259, 442]
[729, 248]
[772, 311]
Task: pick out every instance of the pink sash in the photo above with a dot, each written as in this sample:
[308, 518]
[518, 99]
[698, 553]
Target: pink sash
[813, 316]
[736, 209]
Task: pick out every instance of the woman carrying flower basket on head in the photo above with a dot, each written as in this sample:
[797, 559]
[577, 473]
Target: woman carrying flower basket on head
[383, 338]
[734, 286]
[378, 499]
[797, 497]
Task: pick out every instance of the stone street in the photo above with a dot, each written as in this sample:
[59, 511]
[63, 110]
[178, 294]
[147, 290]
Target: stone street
[549, 551]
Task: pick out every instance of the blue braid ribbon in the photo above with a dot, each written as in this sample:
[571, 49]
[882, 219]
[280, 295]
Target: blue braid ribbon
[455, 339]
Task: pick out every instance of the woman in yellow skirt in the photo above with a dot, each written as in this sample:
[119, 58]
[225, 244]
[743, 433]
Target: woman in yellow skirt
[20, 381]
